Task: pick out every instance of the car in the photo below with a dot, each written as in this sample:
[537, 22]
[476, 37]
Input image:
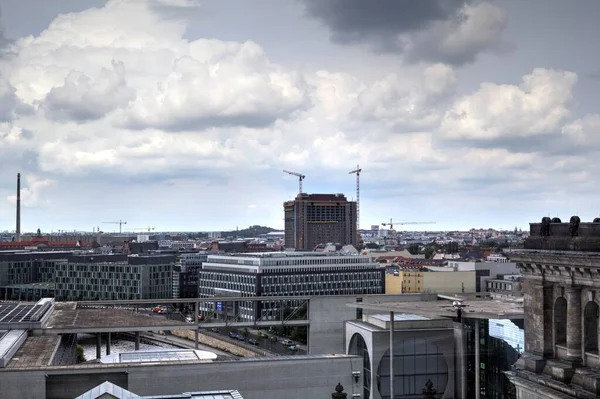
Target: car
[287, 342]
[293, 348]
[253, 341]
[240, 337]
[232, 334]
[214, 330]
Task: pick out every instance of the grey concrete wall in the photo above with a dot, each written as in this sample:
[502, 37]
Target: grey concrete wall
[272, 378]
[328, 313]
[23, 384]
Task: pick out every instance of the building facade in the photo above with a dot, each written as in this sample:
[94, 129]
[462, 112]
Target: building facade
[403, 282]
[286, 274]
[28, 275]
[89, 277]
[312, 219]
[560, 264]
[189, 275]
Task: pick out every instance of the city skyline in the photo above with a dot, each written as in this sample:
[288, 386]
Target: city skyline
[182, 114]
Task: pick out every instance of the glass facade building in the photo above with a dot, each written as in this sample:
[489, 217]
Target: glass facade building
[500, 343]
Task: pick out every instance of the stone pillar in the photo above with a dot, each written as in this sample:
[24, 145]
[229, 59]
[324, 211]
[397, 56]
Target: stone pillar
[539, 307]
[98, 345]
[108, 343]
[573, 296]
[137, 340]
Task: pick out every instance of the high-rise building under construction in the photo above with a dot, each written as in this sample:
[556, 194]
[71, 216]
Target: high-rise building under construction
[313, 219]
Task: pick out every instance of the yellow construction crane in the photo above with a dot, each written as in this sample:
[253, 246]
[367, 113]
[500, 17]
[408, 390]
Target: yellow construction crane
[300, 205]
[120, 223]
[391, 224]
[357, 171]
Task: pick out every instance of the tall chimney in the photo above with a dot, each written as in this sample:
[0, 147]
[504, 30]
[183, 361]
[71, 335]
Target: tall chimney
[18, 238]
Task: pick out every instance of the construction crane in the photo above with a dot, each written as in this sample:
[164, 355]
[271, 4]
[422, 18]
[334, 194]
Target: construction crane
[391, 224]
[357, 171]
[120, 223]
[144, 228]
[300, 178]
[300, 221]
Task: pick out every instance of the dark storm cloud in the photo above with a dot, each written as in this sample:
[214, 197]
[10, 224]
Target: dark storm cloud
[379, 22]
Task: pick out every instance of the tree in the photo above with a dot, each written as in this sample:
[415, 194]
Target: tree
[452, 247]
[246, 332]
[414, 249]
[80, 354]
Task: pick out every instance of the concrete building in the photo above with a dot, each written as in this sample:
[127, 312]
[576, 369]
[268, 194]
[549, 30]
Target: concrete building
[509, 284]
[312, 219]
[560, 264]
[444, 283]
[463, 354]
[404, 282]
[483, 270]
[89, 277]
[276, 274]
[28, 275]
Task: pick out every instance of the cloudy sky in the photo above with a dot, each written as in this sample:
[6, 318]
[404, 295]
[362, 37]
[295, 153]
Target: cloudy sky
[181, 114]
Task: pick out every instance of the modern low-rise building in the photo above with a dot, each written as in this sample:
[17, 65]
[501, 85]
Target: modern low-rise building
[287, 274]
[117, 276]
[28, 275]
[464, 355]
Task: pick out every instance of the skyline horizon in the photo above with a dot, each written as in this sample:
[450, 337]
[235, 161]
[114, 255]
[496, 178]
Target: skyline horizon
[180, 113]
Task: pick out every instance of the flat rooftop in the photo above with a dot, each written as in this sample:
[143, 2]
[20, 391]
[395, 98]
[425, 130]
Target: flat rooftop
[505, 308]
[159, 355]
[68, 318]
[35, 352]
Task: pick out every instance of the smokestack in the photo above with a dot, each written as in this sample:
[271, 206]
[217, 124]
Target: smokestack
[18, 238]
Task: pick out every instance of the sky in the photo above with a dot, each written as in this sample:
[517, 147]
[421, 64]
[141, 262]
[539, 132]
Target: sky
[182, 114]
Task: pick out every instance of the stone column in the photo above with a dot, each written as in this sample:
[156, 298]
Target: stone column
[108, 343]
[98, 345]
[573, 296]
[137, 340]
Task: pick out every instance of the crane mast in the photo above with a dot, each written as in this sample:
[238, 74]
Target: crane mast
[300, 177]
[120, 223]
[357, 172]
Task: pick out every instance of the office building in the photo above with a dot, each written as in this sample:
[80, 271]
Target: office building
[89, 277]
[560, 265]
[286, 274]
[313, 219]
[189, 275]
[28, 275]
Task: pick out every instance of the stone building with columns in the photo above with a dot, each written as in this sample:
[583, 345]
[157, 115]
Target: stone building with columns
[560, 264]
